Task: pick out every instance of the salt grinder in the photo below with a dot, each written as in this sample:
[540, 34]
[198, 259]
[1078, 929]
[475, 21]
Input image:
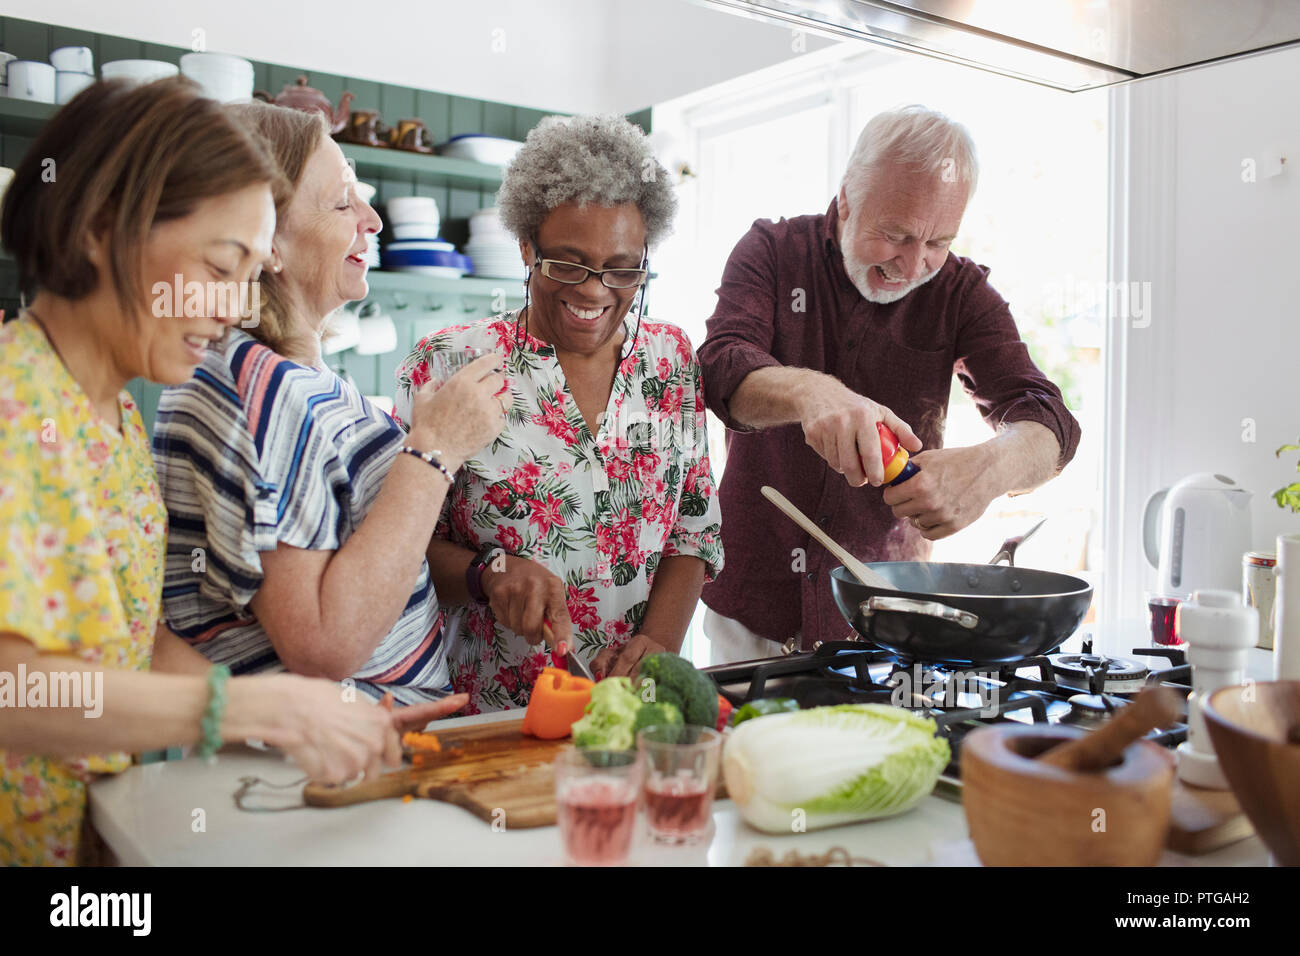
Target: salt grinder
[1219, 630]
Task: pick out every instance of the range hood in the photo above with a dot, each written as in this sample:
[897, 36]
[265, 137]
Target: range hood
[1066, 44]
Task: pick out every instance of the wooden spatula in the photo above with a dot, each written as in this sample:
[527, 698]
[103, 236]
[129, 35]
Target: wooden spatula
[855, 567]
[1153, 707]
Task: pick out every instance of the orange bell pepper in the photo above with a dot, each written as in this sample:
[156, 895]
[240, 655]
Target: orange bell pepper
[558, 699]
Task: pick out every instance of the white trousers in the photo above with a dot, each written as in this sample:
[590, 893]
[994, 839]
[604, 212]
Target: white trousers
[731, 642]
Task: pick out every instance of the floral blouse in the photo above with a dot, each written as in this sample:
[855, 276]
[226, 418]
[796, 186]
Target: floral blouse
[599, 511]
[83, 530]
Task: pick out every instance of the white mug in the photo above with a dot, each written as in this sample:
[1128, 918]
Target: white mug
[73, 59]
[29, 80]
[68, 85]
[378, 335]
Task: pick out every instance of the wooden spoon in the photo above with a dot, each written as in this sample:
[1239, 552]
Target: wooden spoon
[1153, 707]
[855, 567]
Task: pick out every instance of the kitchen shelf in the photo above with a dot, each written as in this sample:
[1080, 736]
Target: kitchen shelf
[376, 162]
[24, 117]
[414, 283]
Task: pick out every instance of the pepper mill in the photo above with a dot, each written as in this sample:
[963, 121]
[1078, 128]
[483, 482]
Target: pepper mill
[1219, 630]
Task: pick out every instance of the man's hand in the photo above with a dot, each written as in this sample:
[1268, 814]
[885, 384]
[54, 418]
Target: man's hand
[840, 425]
[622, 662]
[952, 489]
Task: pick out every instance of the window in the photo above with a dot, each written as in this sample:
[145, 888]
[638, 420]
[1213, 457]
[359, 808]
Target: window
[771, 147]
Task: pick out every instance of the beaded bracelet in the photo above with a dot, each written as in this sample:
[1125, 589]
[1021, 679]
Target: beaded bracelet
[430, 458]
[215, 711]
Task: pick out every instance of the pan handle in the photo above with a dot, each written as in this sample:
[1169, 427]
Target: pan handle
[943, 612]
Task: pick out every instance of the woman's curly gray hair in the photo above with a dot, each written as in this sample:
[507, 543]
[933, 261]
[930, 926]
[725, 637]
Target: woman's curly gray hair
[585, 159]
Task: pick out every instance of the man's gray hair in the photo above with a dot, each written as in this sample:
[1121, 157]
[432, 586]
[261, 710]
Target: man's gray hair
[918, 138]
[585, 159]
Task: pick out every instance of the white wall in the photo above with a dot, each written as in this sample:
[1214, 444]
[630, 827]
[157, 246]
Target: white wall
[1223, 344]
[562, 55]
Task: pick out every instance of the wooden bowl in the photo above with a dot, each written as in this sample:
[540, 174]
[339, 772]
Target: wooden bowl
[1024, 813]
[1252, 727]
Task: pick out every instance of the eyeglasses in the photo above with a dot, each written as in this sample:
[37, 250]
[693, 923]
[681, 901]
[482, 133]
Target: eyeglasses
[571, 273]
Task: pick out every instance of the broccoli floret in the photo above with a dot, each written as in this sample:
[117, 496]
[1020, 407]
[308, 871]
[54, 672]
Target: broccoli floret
[607, 724]
[657, 713]
[677, 682]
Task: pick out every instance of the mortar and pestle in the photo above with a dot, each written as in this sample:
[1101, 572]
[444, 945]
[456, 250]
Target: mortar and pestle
[1049, 795]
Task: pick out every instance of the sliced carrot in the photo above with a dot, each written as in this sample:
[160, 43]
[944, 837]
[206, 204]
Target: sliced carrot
[419, 741]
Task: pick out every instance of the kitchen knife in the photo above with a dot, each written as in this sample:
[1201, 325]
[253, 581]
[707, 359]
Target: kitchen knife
[572, 662]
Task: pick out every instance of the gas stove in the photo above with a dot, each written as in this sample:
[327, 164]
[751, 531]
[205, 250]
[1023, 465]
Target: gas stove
[1082, 689]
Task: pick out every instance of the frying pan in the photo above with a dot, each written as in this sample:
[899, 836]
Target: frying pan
[963, 613]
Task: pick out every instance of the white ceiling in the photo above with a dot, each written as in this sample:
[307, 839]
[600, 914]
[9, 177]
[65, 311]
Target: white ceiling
[562, 55]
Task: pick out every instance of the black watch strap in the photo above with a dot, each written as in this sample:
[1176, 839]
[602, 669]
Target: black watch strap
[474, 573]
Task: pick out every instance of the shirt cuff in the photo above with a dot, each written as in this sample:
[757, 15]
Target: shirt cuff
[1052, 415]
[703, 545]
[722, 374]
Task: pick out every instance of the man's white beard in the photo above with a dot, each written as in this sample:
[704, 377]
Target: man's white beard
[858, 276]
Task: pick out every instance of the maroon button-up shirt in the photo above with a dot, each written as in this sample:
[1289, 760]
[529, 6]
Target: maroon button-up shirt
[785, 299]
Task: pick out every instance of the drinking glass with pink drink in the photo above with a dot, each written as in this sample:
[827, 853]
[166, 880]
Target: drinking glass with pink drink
[681, 775]
[596, 793]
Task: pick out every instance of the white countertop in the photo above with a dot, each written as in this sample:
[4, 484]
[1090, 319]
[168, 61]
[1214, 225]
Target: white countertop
[147, 815]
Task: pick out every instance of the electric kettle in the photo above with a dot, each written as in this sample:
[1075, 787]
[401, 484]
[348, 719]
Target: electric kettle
[1196, 531]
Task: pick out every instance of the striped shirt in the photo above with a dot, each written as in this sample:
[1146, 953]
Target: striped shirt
[256, 450]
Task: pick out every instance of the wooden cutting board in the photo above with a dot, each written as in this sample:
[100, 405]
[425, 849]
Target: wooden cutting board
[492, 770]
[1201, 821]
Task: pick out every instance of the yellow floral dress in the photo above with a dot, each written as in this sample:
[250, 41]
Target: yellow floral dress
[82, 542]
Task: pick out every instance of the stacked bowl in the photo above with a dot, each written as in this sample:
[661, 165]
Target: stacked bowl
[413, 223]
[226, 79]
[480, 148]
[74, 71]
[142, 71]
[492, 249]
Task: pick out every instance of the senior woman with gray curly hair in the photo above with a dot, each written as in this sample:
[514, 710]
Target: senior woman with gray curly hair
[594, 511]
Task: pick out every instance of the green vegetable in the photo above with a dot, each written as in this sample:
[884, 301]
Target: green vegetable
[607, 721]
[651, 714]
[1288, 497]
[764, 706]
[831, 765]
[677, 682]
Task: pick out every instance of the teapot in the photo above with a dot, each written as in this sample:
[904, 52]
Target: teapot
[300, 96]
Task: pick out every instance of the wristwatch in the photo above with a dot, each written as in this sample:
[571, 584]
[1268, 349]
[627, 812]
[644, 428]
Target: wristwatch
[474, 573]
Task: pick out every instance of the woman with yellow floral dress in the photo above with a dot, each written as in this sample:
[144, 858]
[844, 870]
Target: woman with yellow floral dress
[156, 188]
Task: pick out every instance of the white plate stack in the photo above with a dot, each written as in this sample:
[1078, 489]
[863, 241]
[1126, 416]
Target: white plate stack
[227, 79]
[371, 255]
[494, 251]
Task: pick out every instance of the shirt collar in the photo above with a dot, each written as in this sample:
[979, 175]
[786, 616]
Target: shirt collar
[830, 226]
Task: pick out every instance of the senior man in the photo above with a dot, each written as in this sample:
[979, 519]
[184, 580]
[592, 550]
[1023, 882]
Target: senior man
[828, 324]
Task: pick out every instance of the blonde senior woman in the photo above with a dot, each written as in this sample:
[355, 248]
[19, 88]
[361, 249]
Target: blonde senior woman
[300, 511]
[594, 510]
[155, 182]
